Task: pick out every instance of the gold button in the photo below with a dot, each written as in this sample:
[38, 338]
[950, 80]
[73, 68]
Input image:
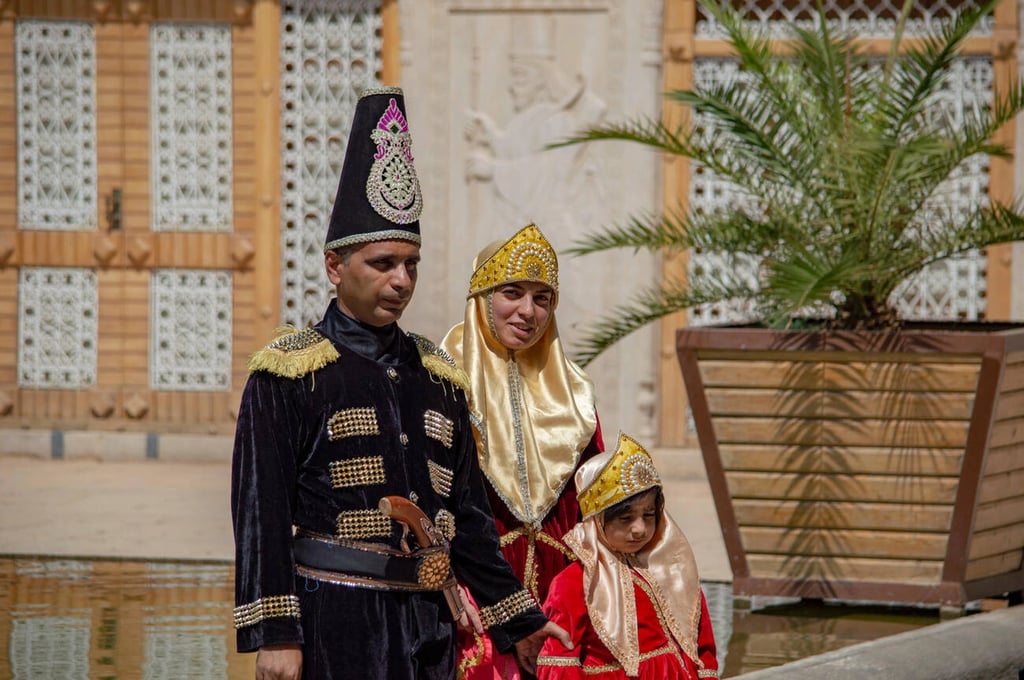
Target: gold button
[404, 438]
[392, 373]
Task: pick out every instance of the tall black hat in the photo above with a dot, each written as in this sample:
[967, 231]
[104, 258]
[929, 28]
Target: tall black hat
[379, 194]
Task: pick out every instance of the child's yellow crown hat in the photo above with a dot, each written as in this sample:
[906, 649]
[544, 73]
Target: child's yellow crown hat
[627, 472]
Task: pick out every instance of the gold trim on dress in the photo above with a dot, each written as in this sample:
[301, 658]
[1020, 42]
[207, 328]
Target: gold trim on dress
[266, 608]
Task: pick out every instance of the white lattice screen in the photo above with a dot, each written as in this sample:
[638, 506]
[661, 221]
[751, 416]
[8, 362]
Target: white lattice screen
[57, 327]
[184, 646]
[865, 18]
[190, 334]
[50, 646]
[56, 112]
[330, 51]
[190, 127]
[953, 289]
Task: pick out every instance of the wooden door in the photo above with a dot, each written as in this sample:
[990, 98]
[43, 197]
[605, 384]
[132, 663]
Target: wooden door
[129, 219]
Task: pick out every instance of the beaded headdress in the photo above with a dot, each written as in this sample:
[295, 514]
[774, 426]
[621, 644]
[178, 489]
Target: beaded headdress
[527, 256]
[379, 195]
[629, 471]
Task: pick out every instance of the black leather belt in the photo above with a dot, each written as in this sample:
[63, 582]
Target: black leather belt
[425, 569]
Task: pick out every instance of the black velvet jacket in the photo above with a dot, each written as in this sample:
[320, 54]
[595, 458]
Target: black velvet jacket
[323, 432]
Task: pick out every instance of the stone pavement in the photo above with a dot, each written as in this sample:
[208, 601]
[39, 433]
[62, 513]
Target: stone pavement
[170, 508]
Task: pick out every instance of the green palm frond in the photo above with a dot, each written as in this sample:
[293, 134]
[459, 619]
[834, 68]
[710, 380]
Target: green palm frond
[838, 163]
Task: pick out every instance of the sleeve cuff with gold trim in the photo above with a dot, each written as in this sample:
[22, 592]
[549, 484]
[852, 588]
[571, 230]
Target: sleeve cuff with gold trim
[266, 608]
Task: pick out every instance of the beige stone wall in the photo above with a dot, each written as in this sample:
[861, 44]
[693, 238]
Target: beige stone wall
[488, 84]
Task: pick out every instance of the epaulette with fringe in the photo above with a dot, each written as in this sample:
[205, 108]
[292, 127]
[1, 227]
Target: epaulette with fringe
[294, 353]
[440, 363]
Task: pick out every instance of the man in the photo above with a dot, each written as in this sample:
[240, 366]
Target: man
[336, 417]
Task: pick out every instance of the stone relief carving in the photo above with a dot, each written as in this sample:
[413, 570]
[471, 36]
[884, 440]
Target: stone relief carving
[554, 187]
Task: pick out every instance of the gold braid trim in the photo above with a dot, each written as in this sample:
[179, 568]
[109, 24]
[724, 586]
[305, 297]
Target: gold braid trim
[507, 609]
[707, 673]
[438, 362]
[557, 661]
[294, 353]
[472, 661]
[266, 608]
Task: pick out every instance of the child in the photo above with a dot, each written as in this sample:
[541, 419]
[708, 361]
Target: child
[632, 603]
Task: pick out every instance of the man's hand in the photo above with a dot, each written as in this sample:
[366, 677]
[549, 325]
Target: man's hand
[470, 619]
[528, 648]
[279, 662]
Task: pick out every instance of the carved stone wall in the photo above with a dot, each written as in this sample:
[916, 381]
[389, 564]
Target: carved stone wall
[490, 83]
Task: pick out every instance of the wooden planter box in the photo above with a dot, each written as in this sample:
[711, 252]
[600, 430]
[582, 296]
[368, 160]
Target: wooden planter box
[864, 466]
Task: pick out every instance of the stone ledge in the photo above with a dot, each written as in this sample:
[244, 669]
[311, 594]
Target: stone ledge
[116, 446]
[987, 646]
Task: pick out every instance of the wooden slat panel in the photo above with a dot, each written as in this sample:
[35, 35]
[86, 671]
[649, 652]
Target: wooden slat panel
[1002, 513]
[853, 569]
[844, 543]
[1013, 372]
[798, 375]
[1010, 404]
[868, 432]
[1000, 487]
[1008, 432]
[997, 541]
[993, 566]
[838, 515]
[849, 459]
[868, 488]
[1005, 459]
[765, 402]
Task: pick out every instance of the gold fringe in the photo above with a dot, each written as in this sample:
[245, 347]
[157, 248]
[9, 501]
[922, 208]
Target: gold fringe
[438, 362]
[294, 353]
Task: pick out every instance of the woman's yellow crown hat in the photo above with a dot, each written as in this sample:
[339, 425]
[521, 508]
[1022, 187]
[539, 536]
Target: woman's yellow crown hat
[628, 472]
[527, 256]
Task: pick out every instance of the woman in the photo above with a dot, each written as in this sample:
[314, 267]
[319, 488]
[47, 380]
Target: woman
[533, 415]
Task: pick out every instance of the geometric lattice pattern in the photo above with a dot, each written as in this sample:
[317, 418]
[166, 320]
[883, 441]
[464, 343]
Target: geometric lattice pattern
[952, 289]
[57, 327]
[190, 127]
[184, 646]
[50, 646]
[56, 113]
[330, 52]
[864, 18]
[190, 330]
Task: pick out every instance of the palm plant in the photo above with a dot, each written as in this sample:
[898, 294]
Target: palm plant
[839, 161]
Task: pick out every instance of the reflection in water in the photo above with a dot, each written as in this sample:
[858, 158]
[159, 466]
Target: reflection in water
[66, 619]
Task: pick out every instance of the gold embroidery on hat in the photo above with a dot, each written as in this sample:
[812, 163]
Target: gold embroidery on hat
[440, 478]
[352, 422]
[445, 523]
[363, 524]
[629, 472]
[366, 471]
[438, 427]
[507, 609]
[527, 256]
[266, 608]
